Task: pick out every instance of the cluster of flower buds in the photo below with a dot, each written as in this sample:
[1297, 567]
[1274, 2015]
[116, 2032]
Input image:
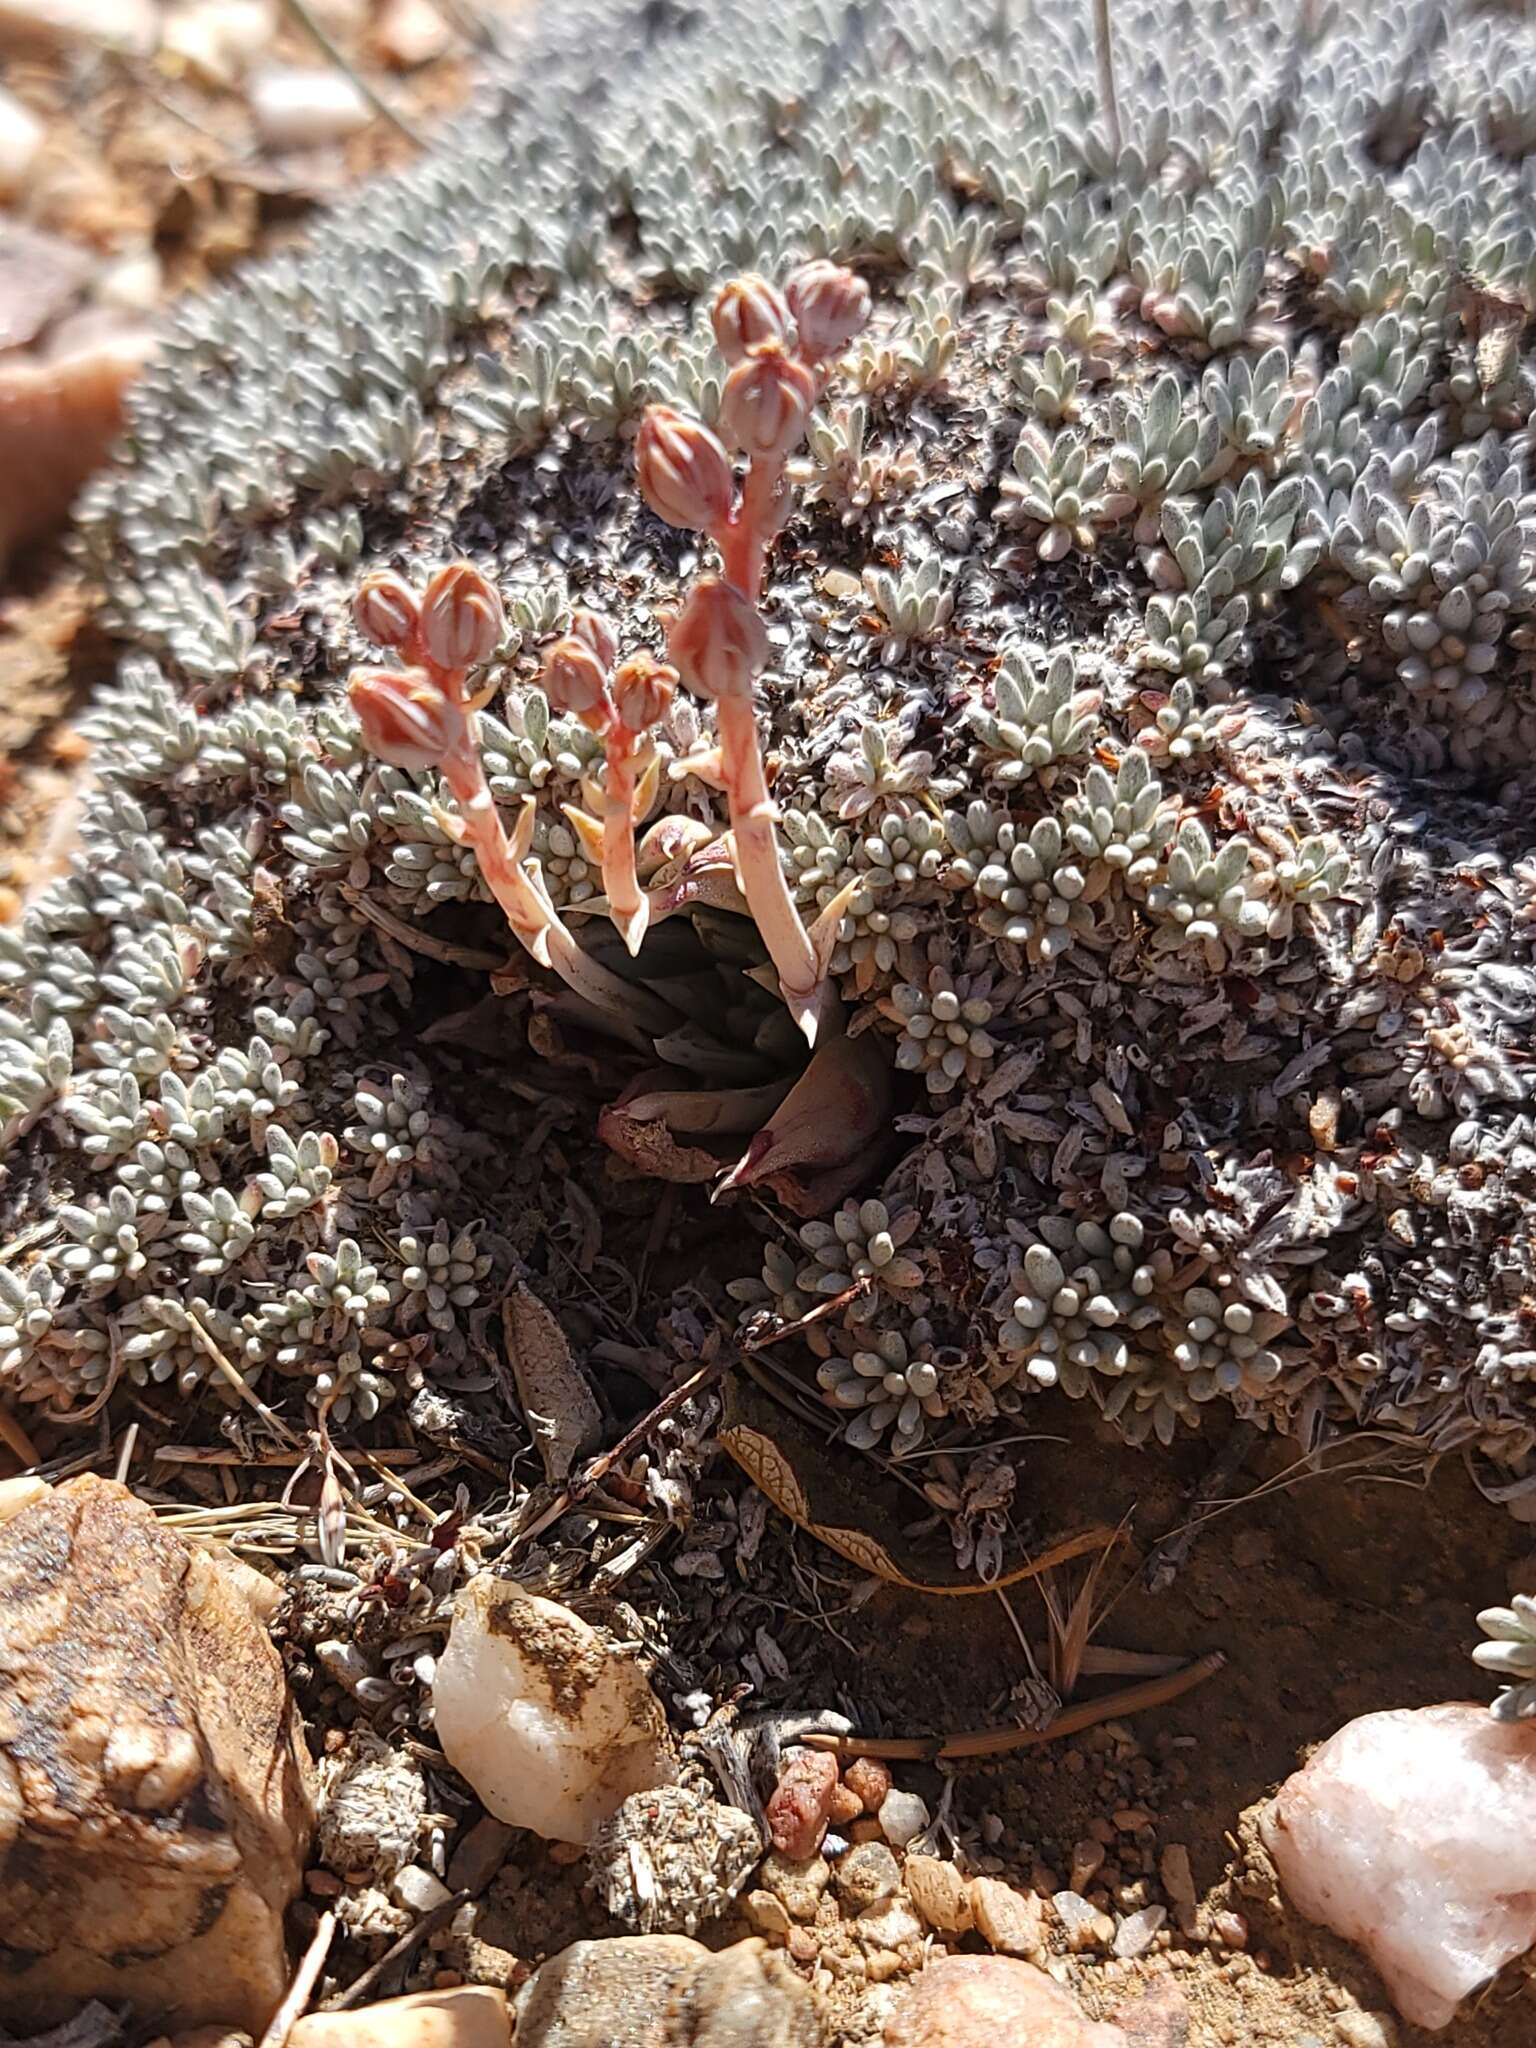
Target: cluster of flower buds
[621, 705]
[422, 716]
[779, 347]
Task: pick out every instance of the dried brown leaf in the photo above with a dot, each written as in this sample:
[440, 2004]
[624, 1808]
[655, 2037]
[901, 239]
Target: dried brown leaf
[560, 1408]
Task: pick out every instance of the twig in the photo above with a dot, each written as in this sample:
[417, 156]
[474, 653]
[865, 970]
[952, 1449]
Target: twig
[823, 1308]
[417, 941]
[576, 1489]
[377, 1973]
[1105, 51]
[235, 1378]
[303, 1984]
[125, 1455]
[322, 38]
[1133, 1699]
[200, 1454]
[16, 1440]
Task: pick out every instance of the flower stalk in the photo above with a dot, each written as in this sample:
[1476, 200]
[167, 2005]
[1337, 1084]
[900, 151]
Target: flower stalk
[621, 712]
[781, 348]
[423, 716]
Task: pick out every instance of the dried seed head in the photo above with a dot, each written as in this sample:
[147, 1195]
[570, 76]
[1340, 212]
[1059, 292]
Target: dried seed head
[717, 640]
[747, 313]
[767, 402]
[598, 634]
[683, 472]
[461, 617]
[385, 609]
[830, 305]
[408, 719]
[642, 690]
[575, 679]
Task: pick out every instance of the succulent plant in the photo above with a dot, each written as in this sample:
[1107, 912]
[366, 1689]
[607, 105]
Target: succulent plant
[1510, 1653]
[1213, 792]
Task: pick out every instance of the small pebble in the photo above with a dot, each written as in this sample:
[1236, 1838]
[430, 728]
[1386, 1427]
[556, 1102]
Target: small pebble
[410, 33]
[903, 1817]
[479, 1854]
[844, 1806]
[1084, 1925]
[1008, 1921]
[886, 1925]
[1178, 1879]
[939, 1893]
[798, 1804]
[1135, 1933]
[866, 1875]
[417, 1890]
[1366, 2030]
[1087, 1861]
[799, 1885]
[1230, 1929]
[869, 1780]
[303, 109]
[767, 1914]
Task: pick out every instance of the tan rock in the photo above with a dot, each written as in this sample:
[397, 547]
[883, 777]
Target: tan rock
[939, 1892]
[155, 1792]
[1157, 2018]
[1008, 1921]
[745, 1997]
[990, 2001]
[21, 1492]
[665, 1991]
[411, 33]
[218, 39]
[798, 1882]
[468, 2016]
[605, 1994]
[127, 25]
[57, 420]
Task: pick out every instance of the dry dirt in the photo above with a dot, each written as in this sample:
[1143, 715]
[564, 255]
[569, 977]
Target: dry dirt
[1328, 1596]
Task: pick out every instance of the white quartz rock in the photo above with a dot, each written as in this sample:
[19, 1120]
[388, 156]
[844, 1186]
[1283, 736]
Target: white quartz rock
[552, 1727]
[21, 137]
[1414, 1834]
[305, 109]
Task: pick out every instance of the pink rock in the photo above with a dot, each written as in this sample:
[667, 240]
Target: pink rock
[990, 2001]
[1414, 1834]
[800, 1803]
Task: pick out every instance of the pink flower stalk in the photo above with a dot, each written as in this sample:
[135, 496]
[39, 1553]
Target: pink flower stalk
[424, 717]
[623, 711]
[717, 641]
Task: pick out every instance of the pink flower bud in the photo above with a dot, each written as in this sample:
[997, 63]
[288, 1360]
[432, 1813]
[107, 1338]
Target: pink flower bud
[461, 617]
[408, 720]
[598, 634]
[830, 306]
[766, 403]
[683, 473]
[717, 640]
[747, 313]
[575, 679]
[385, 609]
[642, 690]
